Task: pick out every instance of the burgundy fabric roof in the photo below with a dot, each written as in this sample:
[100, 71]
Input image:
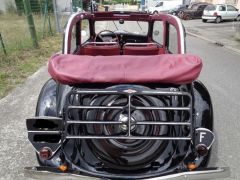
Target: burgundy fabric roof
[167, 68]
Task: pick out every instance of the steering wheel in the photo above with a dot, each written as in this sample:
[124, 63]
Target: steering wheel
[99, 36]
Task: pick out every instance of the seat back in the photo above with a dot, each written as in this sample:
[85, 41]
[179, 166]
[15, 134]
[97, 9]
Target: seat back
[101, 49]
[140, 49]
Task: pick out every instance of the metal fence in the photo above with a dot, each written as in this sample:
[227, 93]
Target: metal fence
[50, 17]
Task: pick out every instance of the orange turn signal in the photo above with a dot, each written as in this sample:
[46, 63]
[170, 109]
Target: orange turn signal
[62, 168]
[191, 166]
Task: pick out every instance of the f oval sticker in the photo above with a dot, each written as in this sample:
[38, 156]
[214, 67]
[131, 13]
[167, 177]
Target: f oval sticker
[204, 136]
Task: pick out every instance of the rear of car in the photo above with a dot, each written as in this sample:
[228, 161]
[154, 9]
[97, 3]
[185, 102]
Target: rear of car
[116, 109]
[220, 12]
[209, 13]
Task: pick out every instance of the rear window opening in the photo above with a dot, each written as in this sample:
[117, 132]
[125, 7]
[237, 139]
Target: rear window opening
[210, 8]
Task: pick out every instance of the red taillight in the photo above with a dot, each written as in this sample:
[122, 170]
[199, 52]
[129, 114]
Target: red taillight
[215, 14]
[202, 150]
[45, 153]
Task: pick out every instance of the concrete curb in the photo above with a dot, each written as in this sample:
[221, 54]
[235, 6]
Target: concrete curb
[214, 42]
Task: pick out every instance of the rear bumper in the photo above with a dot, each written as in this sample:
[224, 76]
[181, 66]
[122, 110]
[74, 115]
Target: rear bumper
[209, 17]
[53, 173]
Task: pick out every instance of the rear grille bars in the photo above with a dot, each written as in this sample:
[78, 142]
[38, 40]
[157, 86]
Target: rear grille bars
[129, 107]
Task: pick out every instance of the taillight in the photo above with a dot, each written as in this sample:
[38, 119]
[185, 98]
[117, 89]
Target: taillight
[215, 14]
[45, 153]
[202, 150]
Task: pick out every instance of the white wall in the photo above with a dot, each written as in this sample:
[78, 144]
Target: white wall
[153, 3]
[63, 5]
[3, 4]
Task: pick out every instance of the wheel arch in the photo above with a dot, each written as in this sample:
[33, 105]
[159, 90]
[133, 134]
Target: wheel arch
[46, 104]
[202, 106]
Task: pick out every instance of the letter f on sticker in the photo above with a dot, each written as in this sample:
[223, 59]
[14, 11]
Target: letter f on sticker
[202, 135]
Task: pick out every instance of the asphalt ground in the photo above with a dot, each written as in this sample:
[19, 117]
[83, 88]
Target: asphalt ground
[220, 74]
[222, 34]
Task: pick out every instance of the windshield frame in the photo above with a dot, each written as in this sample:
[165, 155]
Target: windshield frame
[126, 31]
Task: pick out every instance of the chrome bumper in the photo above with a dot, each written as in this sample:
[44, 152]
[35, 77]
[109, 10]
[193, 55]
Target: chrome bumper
[210, 173]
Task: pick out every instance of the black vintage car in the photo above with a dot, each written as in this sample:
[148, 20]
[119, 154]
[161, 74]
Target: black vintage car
[194, 11]
[123, 102]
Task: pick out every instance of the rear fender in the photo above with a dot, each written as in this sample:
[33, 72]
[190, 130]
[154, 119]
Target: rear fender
[46, 105]
[202, 113]
[202, 106]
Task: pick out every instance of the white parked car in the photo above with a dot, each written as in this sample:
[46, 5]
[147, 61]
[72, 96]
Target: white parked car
[164, 6]
[220, 12]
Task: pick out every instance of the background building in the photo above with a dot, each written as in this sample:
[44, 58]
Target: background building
[235, 3]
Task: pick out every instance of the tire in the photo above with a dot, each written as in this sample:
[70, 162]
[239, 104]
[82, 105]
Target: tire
[238, 18]
[180, 14]
[155, 12]
[186, 17]
[218, 19]
[204, 20]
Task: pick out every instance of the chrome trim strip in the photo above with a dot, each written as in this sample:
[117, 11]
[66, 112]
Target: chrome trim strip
[67, 30]
[45, 118]
[221, 172]
[95, 107]
[133, 123]
[128, 137]
[45, 132]
[101, 43]
[139, 44]
[161, 123]
[181, 31]
[163, 108]
[93, 122]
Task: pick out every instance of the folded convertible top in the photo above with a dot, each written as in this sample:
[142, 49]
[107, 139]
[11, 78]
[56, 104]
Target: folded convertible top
[173, 69]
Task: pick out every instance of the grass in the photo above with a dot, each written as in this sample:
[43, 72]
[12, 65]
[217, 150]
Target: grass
[22, 59]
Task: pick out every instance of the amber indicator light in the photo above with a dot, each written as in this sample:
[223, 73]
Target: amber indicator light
[63, 168]
[191, 166]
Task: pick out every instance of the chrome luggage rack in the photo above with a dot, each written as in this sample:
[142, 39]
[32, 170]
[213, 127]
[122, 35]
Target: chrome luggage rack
[73, 102]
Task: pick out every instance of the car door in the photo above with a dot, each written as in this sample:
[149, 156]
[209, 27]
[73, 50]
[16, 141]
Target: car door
[222, 11]
[232, 12]
[200, 11]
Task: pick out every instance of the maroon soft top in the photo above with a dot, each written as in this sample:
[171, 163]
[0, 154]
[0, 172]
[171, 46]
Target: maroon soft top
[167, 68]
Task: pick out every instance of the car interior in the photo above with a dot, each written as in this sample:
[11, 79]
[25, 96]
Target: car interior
[108, 43]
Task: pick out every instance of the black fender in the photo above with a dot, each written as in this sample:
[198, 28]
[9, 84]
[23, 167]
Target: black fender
[202, 106]
[47, 106]
[50, 103]
[202, 112]
[47, 100]
[51, 99]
